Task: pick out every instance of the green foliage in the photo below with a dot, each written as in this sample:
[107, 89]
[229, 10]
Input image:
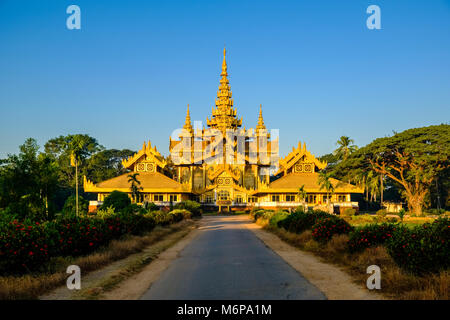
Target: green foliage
[345, 148]
[382, 213]
[27, 245]
[276, 217]
[192, 206]
[150, 206]
[116, 199]
[422, 249]
[185, 213]
[401, 214]
[370, 235]
[164, 217]
[28, 183]
[300, 221]
[324, 229]
[349, 212]
[70, 206]
[106, 213]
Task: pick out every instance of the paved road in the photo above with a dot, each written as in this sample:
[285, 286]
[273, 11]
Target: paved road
[227, 261]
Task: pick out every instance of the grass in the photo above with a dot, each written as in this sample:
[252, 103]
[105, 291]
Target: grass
[31, 286]
[395, 282]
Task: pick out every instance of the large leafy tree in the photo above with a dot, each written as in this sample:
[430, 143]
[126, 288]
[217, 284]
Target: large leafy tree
[28, 183]
[412, 160]
[107, 164]
[79, 146]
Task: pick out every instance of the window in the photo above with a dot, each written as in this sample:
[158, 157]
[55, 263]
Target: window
[342, 198]
[275, 198]
[311, 198]
[290, 198]
[209, 198]
[224, 195]
[173, 198]
[158, 197]
[238, 199]
[252, 199]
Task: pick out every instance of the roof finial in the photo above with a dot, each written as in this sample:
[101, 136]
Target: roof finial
[187, 124]
[260, 125]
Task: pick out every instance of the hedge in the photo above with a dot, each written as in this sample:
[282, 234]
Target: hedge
[25, 246]
[370, 235]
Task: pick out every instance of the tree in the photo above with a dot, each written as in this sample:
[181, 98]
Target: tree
[135, 186]
[346, 147]
[73, 149]
[302, 193]
[116, 199]
[324, 181]
[106, 164]
[62, 148]
[28, 182]
[413, 158]
[70, 205]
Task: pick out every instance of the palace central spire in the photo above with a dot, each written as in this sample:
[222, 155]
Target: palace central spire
[224, 115]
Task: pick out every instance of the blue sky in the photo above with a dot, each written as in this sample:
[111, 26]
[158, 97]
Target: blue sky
[130, 71]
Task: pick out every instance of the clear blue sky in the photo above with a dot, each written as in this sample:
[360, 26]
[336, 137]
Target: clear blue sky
[130, 71]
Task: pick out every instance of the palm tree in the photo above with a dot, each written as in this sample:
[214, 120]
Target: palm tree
[345, 147]
[135, 185]
[76, 147]
[302, 193]
[324, 181]
[373, 184]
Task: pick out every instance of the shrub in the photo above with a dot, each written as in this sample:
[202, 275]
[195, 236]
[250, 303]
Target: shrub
[277, 217]
[382, 213]
[324, 229]
[300, 221]
[23, 246]
[106, 213]
[369, 236]
[422, 249]
[70, 207]
[150, 206]
[192, 206]
[349, 212]
[180, 214]
[256, 214]
[116, 199]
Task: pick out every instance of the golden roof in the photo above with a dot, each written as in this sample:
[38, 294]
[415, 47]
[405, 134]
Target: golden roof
[292, 182]
[295, 155]
[147, 151]
[150, 182]
[224, 115]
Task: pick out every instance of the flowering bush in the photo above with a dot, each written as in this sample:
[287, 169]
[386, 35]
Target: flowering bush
[370, 235]
[325, 228]
[26, 246]
[422, 249]
[23, 245]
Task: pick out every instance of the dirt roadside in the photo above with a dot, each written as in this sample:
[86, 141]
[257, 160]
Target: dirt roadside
[335, 283]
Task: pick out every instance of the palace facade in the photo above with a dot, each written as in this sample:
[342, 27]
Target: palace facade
[227, 166]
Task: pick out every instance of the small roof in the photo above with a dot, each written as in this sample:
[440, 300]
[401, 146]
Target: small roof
[148, 180]
[292, 182]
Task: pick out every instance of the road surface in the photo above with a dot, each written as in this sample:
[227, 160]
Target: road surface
[227, 261]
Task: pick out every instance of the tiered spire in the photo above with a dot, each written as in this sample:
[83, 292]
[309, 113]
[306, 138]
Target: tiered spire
[224, 115]
[260, 125]
[187, 123]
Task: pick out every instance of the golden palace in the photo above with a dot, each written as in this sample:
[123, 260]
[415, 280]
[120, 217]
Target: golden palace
[229, 167]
